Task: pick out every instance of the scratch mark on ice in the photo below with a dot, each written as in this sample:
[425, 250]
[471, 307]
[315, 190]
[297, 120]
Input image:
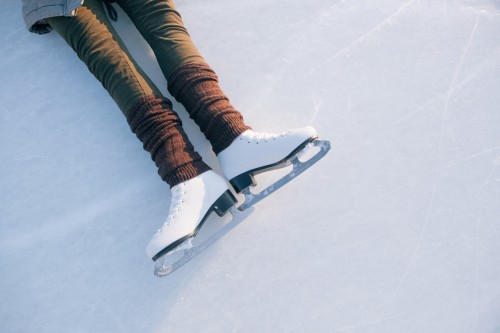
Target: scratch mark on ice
[451, 90]
[413, 257]
[470, 157]
[366, 35]
[369, 323]
[473, 313]
[317, 101]
[377, 28]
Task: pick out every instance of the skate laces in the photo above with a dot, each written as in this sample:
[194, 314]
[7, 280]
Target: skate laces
[263, 136]
[176, 202]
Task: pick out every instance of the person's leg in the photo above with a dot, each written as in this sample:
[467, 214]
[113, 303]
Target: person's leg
[242, 153]
[196, 190]
[148, 113]
[190, 80]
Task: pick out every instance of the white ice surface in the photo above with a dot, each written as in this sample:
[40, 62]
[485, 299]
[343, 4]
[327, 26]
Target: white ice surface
[396, 230]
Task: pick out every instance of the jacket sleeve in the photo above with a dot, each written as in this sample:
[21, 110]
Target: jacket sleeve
[36, 11]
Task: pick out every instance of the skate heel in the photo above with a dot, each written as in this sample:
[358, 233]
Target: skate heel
[224, 203]
[242, 182]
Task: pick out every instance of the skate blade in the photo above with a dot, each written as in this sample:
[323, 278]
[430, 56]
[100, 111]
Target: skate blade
[303, 160]
[166, 263]
[211, 232]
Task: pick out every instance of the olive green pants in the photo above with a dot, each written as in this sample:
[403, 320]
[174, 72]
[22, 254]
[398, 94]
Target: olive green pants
[98, 45]
[150, 116]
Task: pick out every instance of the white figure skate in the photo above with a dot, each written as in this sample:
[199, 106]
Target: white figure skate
[191, 204]
[252, 153]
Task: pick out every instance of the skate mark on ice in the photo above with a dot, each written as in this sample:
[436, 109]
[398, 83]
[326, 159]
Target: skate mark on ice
[368, 323]
[472, 317]
[349, 112]
[66, 222]
[365, 36]
[373, 30]
[413, 256]
[470, 157]
[451, 90]
[317, 102]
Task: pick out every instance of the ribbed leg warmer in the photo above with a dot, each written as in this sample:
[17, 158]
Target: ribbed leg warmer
[196, 86]
[160, 130]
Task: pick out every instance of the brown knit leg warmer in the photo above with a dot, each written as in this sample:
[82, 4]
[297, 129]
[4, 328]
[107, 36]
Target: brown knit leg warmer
[196, 86]
[159, 128]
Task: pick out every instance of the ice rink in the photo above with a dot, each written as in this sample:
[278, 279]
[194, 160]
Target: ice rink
[396, 230]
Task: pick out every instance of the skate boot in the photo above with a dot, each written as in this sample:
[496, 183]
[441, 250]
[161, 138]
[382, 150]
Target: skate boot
[252, 153]
[192, 203]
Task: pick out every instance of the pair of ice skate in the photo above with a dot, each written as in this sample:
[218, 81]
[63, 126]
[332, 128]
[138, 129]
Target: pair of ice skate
[251, 153]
